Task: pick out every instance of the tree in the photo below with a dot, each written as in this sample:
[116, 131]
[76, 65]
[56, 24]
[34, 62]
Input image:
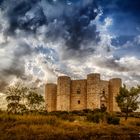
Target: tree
[127, 99]
[21, 99]
[34, 101]
[15, 98]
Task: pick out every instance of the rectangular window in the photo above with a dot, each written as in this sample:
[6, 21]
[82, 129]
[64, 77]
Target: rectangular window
[78, 101]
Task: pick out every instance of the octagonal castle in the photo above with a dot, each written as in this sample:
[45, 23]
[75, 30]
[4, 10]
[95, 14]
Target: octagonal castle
[90, 93]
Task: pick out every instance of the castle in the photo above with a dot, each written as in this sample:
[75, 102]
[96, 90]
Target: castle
[90, 93]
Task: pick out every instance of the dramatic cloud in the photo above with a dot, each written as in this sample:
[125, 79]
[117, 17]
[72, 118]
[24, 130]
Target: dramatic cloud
[42, 39]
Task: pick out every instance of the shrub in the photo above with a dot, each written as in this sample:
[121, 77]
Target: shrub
[58, 113]
[113, 120]
[87, 111]
[96, 110]
[77, 112]
[94, 117]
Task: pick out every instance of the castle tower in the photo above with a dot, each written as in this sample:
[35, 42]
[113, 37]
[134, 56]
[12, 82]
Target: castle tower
[114, 88]
[78, 94]
[93, 91]
[63, 93]
[50, 97]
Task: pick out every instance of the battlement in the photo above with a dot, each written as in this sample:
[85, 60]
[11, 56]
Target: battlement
[80, 94]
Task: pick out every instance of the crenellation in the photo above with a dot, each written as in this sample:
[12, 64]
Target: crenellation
[90, 93]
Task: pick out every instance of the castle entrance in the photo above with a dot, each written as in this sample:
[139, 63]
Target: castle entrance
[103, 102]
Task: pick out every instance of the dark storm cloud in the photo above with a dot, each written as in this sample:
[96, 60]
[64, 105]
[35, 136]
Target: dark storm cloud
[69, 20]
[25, 15]
[1, 1]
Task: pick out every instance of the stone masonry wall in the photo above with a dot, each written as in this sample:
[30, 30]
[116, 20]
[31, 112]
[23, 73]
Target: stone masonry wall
[63, 93]
[114, 87]
[90, 93]
[93, 91]
[50, 97]
[78, 95]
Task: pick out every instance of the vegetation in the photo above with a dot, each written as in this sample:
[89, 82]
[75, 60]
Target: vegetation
[128, 99]
[26, 118]
[51, 127]
[22, 99]
[34, 101]
[111, 119]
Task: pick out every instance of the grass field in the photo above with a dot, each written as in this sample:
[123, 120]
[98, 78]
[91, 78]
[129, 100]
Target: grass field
[51, 127]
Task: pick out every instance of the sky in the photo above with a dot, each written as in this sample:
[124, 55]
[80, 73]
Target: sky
[43, 39]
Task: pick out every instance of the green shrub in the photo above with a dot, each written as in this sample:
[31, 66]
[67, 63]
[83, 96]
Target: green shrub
[113, 120]
[94, 117]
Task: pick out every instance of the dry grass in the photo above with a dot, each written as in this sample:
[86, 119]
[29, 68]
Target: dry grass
[38, 127]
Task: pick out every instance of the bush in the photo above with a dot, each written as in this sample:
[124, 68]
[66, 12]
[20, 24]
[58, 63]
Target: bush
[77, 112]
[87, 111]
[113, 120]
[96, 110]
[58, 113]
[94, 117]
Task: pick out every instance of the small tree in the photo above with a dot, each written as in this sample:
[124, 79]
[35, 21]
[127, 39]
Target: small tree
[128, 99]
[35, 101]
[15, 97]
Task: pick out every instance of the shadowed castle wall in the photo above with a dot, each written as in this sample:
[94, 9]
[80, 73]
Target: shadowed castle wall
[63, 93]
[93, 91]
[114, 88]
[50, 97]
[78, 94]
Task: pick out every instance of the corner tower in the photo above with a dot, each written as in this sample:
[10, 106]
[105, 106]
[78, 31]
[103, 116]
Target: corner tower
[93, 91]
[114, 88]
[50, 97]
[63, 93]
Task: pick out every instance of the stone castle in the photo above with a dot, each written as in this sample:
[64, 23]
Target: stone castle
[90, 93]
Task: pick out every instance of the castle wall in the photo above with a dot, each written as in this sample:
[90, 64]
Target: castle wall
[78, 95]
[90, 93]
[63, 93]
[93, 91]
[104, 87]
[114, 88]
[50, 97]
